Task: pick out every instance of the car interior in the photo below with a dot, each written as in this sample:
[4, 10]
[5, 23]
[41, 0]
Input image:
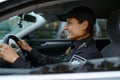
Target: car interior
[112, 50]
[35, 21]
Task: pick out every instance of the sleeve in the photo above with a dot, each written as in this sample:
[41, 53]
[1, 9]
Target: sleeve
[40, 58]
[20, 63]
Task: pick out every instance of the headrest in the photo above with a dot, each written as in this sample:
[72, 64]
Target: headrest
[113, 26]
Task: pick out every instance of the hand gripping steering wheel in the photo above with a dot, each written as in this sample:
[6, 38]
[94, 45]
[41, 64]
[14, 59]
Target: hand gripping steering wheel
[13, 37]
[6, 41]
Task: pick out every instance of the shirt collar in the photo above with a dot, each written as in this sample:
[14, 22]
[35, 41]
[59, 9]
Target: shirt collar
[85, 41]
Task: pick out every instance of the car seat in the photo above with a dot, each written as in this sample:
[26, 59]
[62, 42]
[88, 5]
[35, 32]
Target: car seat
[113, 30]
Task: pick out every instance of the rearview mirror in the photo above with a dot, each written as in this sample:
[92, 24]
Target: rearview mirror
[27, 17]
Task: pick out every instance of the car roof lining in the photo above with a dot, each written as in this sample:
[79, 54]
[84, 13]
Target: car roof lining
[102, 8]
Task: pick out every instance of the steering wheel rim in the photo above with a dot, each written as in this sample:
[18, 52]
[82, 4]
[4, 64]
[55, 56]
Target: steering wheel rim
[7, 37]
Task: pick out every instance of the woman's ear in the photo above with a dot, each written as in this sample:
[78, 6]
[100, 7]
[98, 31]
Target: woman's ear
[85, 25]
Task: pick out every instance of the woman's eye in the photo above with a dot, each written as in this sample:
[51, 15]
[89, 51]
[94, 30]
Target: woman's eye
[69, 23]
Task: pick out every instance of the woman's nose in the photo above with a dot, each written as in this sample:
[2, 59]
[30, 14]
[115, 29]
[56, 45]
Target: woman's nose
[66, 28]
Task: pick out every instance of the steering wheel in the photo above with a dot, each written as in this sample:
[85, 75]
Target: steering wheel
[6, 41]
[13, 37]
[7, 37]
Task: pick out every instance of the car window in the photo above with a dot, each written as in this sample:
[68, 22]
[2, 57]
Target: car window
[55, 30]
[47, 31]
[11, 26]
[18, 23]
[100, 28]
[50, 30]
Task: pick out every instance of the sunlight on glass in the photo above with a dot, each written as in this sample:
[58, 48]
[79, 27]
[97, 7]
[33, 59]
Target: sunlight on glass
[2, 1]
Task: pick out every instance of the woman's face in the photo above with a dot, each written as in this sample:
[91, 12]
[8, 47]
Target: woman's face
[75, 29]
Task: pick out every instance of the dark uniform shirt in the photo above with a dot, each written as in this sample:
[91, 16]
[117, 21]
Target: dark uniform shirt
[84, 49]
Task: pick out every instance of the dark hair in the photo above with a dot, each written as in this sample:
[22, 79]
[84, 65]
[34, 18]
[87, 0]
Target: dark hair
[89, 28]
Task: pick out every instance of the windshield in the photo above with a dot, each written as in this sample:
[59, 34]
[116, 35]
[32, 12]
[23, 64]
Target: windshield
[16, 24]
[2, 1]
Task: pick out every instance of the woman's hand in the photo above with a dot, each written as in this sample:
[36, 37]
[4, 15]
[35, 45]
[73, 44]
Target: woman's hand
[24, 45]
[7, 53]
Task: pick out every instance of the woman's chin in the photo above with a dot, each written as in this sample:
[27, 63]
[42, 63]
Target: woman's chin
[70, 38]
